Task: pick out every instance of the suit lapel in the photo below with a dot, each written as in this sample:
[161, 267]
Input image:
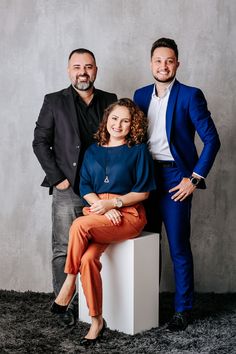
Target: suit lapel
[170, 109]
[147, 98]
[70, 106]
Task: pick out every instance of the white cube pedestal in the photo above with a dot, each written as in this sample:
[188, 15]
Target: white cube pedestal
[130, 274]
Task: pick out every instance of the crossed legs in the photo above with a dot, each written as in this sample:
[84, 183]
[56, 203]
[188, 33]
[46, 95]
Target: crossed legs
[89, 237]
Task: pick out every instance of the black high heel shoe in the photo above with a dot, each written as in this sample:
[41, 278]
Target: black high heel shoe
[60, 309]
[86, 342]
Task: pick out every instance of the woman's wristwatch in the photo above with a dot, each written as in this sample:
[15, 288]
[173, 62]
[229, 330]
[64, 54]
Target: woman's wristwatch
[118, 203]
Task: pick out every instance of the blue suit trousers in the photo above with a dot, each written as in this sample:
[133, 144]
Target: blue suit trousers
[175, 216]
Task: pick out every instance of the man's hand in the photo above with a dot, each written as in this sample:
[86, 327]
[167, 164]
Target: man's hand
[183, 190]
[63, 185]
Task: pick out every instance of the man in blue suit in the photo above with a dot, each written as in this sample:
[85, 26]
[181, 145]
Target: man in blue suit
[175, 112]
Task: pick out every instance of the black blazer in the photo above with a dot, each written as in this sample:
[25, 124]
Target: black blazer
[57, 138]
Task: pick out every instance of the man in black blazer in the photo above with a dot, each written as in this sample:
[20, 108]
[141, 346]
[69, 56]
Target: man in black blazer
[65, 127]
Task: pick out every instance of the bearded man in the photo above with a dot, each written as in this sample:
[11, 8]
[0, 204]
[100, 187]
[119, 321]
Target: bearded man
[65, 128]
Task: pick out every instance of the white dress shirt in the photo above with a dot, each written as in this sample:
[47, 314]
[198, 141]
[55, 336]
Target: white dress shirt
[157, 138]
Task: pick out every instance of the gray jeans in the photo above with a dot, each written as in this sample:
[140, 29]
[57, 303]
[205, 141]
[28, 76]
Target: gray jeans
[66, 206]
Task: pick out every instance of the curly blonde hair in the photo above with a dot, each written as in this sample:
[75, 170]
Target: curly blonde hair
[138, 127]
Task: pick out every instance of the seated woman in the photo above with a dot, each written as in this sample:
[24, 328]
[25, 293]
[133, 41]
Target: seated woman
[116, 176]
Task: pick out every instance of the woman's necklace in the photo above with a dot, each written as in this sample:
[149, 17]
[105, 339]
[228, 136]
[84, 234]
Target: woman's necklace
[107, 169]
[106, 180]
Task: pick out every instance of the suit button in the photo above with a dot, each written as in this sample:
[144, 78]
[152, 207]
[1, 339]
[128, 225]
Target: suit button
[77, 147]
[74, 164]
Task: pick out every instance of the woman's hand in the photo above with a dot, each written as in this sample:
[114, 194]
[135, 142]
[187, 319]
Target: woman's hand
[106, 207]
[100, 207]
[114, 215]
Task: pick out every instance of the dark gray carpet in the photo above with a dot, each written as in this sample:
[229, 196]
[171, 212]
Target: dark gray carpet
[27, 326]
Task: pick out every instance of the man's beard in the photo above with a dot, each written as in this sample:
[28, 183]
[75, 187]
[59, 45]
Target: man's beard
[165, 80]
[83, 86]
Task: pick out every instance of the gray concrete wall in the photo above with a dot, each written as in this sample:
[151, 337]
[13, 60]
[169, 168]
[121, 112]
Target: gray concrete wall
[36, 38]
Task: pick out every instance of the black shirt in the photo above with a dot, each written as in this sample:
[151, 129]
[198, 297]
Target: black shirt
[89, 116]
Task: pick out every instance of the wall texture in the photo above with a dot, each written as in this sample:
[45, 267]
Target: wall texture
[36, 38]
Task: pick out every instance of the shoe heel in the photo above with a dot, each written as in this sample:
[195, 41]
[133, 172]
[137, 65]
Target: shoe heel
[104, 327]
[60, 309]
[57, 309]
[88, 342]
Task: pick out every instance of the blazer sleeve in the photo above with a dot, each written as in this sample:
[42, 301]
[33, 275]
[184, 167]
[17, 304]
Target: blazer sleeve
[205, 127]
[43, 143]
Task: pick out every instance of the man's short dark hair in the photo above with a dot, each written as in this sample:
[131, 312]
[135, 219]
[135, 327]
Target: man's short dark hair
[167, 43]
[82, 51]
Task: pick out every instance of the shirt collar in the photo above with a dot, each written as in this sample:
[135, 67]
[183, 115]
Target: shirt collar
[168, 89]
[77, 96]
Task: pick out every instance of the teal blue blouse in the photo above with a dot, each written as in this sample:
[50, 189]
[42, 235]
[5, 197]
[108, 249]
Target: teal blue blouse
[119, 170]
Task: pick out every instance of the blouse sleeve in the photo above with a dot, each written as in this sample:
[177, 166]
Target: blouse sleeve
[145, 181]
[86, 184]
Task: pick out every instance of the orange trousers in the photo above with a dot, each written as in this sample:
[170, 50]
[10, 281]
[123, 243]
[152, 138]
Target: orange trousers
[89, 237]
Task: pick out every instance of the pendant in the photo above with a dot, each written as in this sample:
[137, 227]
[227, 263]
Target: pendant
[106, 180]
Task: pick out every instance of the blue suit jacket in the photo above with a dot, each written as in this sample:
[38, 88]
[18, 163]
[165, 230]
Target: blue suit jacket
[186, 113]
